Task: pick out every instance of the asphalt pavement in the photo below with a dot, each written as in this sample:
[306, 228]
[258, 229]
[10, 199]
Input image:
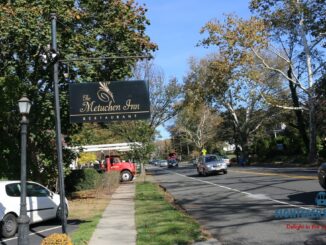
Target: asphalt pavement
[241, 206]
[238, 208]
[37, 232]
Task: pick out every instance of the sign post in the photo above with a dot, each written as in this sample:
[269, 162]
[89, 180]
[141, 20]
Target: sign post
[63, 212]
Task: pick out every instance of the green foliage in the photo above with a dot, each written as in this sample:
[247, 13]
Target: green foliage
[283, 14]
[82, 179]
[94, 133]
[296, 29]
[136, 131]
[266, 147]
[84, 29]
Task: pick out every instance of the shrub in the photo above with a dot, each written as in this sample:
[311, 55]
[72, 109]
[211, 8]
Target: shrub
[82, 179]
[57, 239]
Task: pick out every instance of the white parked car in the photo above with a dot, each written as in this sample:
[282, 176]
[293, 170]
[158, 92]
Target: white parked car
[163, 163]
[41, 203]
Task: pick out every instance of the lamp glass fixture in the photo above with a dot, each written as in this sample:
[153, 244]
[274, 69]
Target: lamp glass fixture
[24, 105]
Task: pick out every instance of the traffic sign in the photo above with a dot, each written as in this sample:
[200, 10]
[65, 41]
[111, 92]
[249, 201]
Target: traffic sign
[204, 151]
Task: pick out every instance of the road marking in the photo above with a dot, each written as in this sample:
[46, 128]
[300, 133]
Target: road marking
[276, 174]
[289, 168]
[250, 195]
[32, 233]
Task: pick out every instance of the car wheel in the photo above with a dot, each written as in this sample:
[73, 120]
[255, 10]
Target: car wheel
[225, 171]
[322, 178]
[9, 225]
[199, 173]
[126, 176]
[204, 172]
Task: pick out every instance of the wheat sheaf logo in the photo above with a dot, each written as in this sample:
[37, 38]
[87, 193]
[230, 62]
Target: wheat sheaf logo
[104, 94]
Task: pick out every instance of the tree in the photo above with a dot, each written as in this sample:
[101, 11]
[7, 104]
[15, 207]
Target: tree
[94, 133]
[164, 99]
[292, 23]
[197, 123]
[226, 82]
[255, 36]
[164, 96]
[85, 29]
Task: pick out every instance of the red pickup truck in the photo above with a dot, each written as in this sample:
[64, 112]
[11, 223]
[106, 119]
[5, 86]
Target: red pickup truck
[113, 163]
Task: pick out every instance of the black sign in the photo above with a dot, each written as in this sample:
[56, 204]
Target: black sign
[109, 101]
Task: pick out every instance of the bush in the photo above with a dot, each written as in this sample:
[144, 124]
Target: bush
[57, 239]
[109, 181]
[82, 179]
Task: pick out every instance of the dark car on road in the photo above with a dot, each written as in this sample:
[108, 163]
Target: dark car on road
[173, 163]
[322, 175]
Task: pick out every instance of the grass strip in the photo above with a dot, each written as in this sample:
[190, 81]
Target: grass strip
[88, 212]
[85, 231]
[159, 222]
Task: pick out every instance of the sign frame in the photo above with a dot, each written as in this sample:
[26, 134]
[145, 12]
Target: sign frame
[109, 101]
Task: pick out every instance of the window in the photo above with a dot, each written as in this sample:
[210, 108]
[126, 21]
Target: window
[210, 159]
[13, 190]
[34, 190]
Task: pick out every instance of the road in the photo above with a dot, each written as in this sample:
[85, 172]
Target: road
[41, 230]
[239, 207]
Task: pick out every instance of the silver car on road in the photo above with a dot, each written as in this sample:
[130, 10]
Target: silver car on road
[210, 164]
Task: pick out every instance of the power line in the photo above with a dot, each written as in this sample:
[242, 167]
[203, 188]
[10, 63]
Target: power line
[106, 58]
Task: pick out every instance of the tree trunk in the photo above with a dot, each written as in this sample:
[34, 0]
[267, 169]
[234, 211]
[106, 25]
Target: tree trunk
[244, 154]
[312, 158]
[299, 115]
[311, 96]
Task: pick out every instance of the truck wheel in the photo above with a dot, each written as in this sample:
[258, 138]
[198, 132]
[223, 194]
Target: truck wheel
[126, 176]
[9, 225]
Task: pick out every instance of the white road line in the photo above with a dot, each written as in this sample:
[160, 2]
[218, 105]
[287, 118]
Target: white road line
[295, 169]
[250, 195]
[32, 233]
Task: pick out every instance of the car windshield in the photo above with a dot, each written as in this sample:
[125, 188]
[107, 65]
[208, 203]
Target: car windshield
[211, 159]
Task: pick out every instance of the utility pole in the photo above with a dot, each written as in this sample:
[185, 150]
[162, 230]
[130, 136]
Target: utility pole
[63, 212]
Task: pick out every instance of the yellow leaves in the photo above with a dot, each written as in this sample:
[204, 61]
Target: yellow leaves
[7, 10]
[74, 14]
[236, 31]
[56, 238]
[87, 157]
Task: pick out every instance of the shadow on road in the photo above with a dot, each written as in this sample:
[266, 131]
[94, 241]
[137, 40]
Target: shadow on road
[306, 198]
[41, 229]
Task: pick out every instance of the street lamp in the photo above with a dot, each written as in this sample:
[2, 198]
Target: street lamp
[24, 105]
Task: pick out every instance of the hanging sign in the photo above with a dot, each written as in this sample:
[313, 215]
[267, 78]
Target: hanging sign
[109, 101]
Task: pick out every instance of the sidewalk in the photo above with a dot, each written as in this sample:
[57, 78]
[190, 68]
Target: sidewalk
[117, 225]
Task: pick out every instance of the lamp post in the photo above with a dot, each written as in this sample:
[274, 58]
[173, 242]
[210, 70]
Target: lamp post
[24, 105]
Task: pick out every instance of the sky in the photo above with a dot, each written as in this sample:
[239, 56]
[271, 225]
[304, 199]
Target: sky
[175, 28]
